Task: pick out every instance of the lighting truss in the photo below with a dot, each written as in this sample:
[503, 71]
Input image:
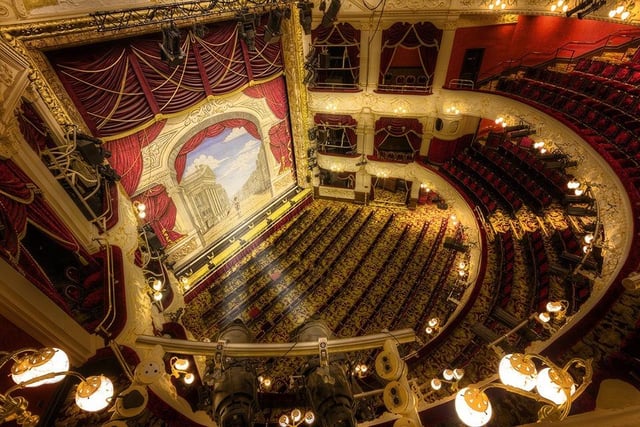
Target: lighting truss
[174, 12]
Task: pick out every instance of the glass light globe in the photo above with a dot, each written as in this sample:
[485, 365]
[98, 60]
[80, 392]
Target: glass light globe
[447, 374]
[180, 364]
[157, 296]
[551, 384]
[436, 384]
[458, 373]
[283, 421]
[309, 417]
[517, 371]
[554, 306]
[296, 415]
[619, 9]
[142, 214]
[189, 378]
[157, 285]
[473, 407]
[94, 393]
[544, 317]
[40, 363]
[624, 15]
[433, 322]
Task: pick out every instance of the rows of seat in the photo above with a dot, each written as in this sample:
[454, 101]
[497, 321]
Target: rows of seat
[492, 181]
[530, 190]
[507, 263]
[553, 181]
[541, 274]
[471, 187]
[613, 132]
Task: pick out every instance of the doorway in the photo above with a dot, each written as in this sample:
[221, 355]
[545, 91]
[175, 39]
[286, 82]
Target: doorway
[471, 64]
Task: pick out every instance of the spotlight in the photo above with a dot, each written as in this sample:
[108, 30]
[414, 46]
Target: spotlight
[247, 24]
[273, 31]
[305, 15]
[331, 14]
[170, 50]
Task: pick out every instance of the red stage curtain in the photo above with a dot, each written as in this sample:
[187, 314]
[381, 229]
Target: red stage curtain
[126, 155]
[161, 213]
[274, 93]
[280, 143]
[33, 128]
[342, 34]
[387, 126]
[423, 35]
[123, 84]
[339, 121]
[210, 132]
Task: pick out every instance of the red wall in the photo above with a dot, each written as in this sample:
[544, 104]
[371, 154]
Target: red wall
[537, 37]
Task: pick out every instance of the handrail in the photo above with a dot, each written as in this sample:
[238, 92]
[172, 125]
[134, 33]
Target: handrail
[602, 43]
[111, 312]
[61, 161]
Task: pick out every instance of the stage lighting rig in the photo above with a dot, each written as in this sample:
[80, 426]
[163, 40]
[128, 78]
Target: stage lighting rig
[592, 8]
[273, 30]
[170, 49]
[305, 15]
[331, 13]
[247, 24]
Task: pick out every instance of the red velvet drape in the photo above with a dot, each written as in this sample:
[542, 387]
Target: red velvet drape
[210, 132]
[423, 36]
[280, 144]
[274, 93]
[161, 213]
[33, 128]
[341, 34]
[126, 155]
[348, 123]
[387, 126]
[123, 84]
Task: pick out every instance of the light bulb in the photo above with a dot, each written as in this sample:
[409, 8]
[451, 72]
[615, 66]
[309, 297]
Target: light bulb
[447, 374]
[309, 417]
[283, 421]
[142, 215]
[544, 317]
[554, 384]
[517, 371]
[458, 373]
[157, 285]
[189, 378]
[181, 364]
[473, 407]
[624, 15]
[612, 13]
[94, 393]
[619, 9]
[40, 363]
[157, 296]
[296, 415]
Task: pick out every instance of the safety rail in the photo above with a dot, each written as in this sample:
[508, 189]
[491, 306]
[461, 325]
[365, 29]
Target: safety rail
[66, 164]
[111, 312]
[567, 54]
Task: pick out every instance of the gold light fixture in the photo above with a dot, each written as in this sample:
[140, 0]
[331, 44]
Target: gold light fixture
[140, 209]
[433, 326]
[621, 11]
[555, 309]
[451, 377]
[554, 386]
[33, 368]
[179, 367]
[295, 418]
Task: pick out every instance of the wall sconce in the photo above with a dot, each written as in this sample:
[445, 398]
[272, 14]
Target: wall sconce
[156, 287]
[555, 387]
[451, 110]
[361, 370]
[497, 4]
[179, 367]
[555, 310]
[560, 6]
[433, 326]
[140, 209]
[265, 383]
[451, 377]
[295, 418]
[621, 11]
[33, 368]
[501, 120]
